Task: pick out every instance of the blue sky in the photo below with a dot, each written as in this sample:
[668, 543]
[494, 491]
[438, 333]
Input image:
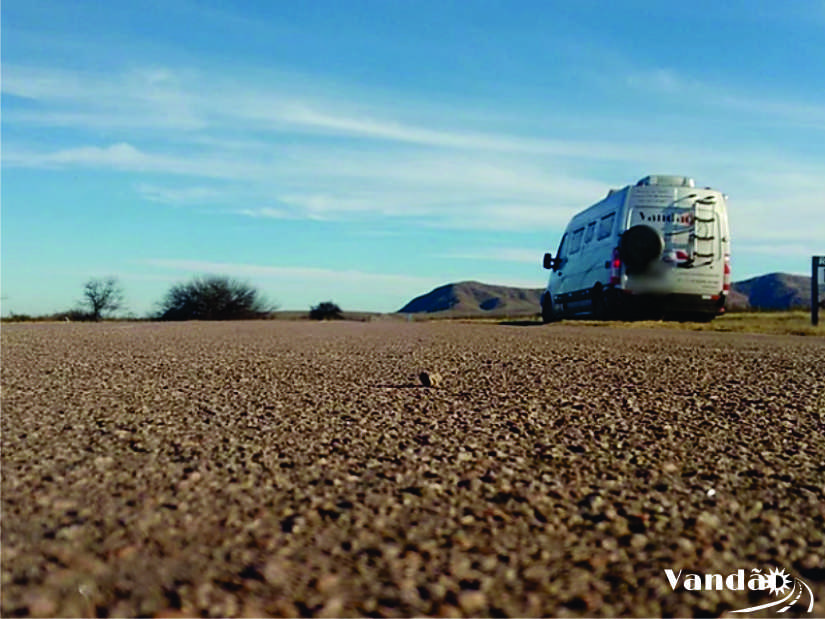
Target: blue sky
[366, 152]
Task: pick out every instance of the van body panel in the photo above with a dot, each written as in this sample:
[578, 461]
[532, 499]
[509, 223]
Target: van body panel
[691, 261]
[587, 266]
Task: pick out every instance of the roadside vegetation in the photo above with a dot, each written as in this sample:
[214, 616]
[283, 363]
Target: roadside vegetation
[789, 322]
[326, 311]
[210, 297]
[102, 296]
[218, 297]
[73, 315]
[213, 297]
[793, 322]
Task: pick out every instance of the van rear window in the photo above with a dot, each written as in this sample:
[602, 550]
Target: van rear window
[606, 226]
[576, 240]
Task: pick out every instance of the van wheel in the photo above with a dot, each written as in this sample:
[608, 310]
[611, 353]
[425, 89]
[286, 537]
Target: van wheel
[547, 313]
[598, 303]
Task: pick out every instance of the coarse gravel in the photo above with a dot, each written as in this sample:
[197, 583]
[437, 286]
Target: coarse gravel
[289, 469]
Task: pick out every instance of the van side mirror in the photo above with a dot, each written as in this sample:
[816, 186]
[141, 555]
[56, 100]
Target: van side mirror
[549, 263]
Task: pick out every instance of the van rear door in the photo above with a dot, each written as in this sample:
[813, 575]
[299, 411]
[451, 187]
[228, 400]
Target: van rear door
[691, 261]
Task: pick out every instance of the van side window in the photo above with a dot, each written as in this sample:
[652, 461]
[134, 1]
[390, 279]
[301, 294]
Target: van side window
[588, 233]
[576, 240]
[606, 226]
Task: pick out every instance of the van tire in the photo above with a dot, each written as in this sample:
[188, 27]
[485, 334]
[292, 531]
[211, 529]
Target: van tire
[547, 313]
[638, 247]
[599, 307]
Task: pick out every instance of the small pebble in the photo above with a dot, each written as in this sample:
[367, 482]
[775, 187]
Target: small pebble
[430, 379]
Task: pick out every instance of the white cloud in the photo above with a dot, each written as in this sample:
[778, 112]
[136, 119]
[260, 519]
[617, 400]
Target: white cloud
[802, 251]
[118, 156]
[180, 194]
[195, 104]
[669, 83]
[466, 191]
[662, 80]
[372, 290]
[126, 157]
[266, 212]
[144, 98]
[42, 83]
[498, 280]
[299, 274]
[354, 289]
[499, 254]
[368, 126]
[242, 143]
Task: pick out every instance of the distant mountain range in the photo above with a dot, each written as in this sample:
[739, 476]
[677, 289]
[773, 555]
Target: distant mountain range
[775, 291]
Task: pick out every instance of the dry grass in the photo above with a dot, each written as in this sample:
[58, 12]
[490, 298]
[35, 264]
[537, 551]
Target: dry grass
[795, 322]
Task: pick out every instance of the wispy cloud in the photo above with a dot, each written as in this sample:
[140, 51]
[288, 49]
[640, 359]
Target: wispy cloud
[123, 156]
[300, 284]
[118, 156]
[266, 212]
[191, 103]
[498, 254]
[181, 195]
[670, 83]
[227, 139]
[219, 110]
[796, 249]
[371, 127]
[143, 98]
[388, 291]
[299, 274]
[469, 191]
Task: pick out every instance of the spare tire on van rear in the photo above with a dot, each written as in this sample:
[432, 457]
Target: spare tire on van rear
[638, 247]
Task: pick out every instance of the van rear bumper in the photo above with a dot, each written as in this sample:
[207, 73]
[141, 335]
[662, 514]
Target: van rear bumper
[673, 304]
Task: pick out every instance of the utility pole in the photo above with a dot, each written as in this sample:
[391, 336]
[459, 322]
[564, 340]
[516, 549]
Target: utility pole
[817, 263]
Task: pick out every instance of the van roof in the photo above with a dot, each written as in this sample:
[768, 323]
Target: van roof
[665, 179]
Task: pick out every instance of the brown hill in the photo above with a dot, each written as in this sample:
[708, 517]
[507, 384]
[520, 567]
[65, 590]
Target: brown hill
[776, 291]
[476, 298]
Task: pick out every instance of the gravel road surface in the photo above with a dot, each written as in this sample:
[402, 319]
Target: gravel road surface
[273, 468]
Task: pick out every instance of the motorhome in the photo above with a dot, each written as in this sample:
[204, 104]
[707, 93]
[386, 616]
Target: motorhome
[656, 249]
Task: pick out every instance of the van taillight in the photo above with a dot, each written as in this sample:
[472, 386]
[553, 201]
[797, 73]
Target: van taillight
[726, 278]
[615, 267]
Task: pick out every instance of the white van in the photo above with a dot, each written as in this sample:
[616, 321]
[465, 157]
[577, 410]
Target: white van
[657, 249]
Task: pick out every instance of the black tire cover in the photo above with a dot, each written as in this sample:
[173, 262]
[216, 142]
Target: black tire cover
[638, 247]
